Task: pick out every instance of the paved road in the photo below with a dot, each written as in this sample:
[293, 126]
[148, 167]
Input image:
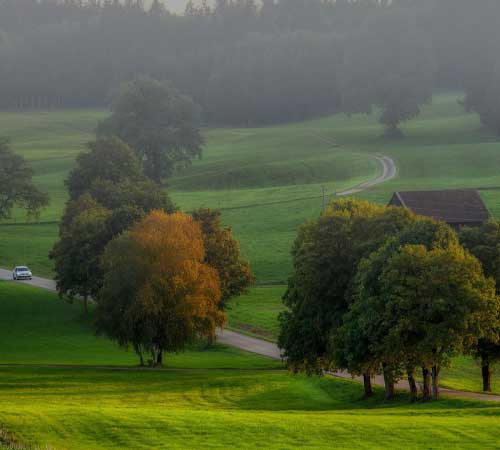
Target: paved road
[389, 171]
[43, 283]
[265, 348]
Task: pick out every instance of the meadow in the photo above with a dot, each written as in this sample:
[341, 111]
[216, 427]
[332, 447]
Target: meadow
[64, 388]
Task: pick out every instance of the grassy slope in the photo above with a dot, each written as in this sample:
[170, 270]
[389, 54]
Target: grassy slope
[103, 409]
[196, 405]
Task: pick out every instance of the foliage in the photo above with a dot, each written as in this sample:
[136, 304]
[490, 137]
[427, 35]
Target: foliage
[158, 293]
[222, 252]
[419, 300]
[16, 184]
[230, 57]
[157, 122]
[326, 254]
[389, 64]
[484, 243]
[77, 253]
[109, 159]
[108, 194]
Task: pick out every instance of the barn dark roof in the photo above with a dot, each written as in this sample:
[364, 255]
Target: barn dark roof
[460, 206]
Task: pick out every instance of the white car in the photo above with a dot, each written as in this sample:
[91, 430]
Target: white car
[22, 273]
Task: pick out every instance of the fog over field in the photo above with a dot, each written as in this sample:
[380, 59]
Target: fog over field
[249, 224]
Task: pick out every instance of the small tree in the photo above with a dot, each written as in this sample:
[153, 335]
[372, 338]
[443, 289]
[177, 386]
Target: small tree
[16, 184]
[76, 254]
[158, 122]
[222, 252]
[158, 294]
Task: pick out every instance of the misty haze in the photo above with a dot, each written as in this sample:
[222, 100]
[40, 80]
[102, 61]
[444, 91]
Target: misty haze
[243, 224]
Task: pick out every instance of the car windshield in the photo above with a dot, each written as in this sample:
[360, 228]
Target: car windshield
[22, 269]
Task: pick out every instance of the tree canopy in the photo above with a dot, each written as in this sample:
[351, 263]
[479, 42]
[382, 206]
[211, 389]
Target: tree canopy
[108, 194]
[484, 243]
[157, 122]
[158, 293]
[326, 254]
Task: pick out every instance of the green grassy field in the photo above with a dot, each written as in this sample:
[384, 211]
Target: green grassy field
[36, 327]
[56, 391]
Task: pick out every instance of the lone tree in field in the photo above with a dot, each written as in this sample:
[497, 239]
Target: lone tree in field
[158, 294]
[326, 254]
[158, 122]
[389, 64]
[484, 243]
[222, 252]
[16, 184]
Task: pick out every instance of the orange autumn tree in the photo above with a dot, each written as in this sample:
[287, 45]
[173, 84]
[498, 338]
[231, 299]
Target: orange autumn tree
[158, 293]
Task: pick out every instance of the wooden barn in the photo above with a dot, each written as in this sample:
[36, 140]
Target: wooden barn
[457, 207]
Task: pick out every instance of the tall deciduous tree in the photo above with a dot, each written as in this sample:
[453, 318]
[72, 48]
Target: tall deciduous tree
[77, 252]
[484, 243]
[326, 254]
[158, 122]
[441, 296]
[108, 194]
[158, 294]
[409, 306]
[16, 184]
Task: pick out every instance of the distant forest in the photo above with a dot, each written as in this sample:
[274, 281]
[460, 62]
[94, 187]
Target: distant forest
[251, 63]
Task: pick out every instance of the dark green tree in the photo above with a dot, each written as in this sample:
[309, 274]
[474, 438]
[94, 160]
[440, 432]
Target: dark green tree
[16, 184]
[326, 255]
[158, 122]
[108, 159]
[77, 253]
[484, 243]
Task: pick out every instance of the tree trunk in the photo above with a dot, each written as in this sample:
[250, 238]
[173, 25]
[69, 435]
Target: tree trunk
[426, 389]
[487, 373]
[138, 350]
[435, 382]
[159, 358]
[413, 385]
[86, 304]
[367, 383]
[388, 382]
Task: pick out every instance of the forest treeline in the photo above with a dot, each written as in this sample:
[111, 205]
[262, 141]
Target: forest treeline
[249, 63]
